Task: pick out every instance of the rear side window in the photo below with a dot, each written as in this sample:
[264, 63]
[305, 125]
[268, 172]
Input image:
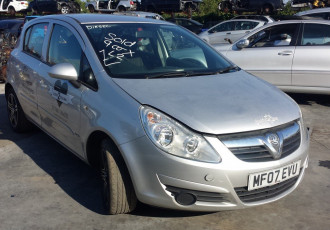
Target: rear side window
[316, 34]
[34, 39]
[324, 15]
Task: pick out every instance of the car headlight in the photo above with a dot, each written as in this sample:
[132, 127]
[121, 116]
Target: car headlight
[172, 137]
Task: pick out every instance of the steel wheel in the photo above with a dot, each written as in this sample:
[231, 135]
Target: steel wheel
[65, 10]
[12, 110]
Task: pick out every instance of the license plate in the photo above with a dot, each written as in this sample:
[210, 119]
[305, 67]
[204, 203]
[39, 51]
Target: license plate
[274, 176]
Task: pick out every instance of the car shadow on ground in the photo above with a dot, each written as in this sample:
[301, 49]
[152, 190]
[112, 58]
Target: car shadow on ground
[80, 181]
[309, 99]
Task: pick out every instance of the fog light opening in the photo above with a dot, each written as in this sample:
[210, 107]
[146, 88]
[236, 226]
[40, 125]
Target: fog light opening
[185, 198]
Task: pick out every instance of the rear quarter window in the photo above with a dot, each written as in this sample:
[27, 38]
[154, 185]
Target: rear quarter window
[34, 39]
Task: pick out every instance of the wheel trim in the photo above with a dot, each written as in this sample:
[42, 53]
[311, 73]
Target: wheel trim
[65, 10]
[13, 110]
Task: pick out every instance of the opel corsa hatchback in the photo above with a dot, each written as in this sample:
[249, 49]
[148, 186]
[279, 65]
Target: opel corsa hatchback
[166, 119]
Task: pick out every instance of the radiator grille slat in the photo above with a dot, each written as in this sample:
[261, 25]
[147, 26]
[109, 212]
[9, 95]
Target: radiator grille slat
[251, 147]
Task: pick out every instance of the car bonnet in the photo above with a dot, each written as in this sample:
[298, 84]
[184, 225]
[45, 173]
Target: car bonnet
[216, 104]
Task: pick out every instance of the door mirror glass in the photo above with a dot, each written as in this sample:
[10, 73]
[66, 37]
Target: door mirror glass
[64, 71]
[242, 43]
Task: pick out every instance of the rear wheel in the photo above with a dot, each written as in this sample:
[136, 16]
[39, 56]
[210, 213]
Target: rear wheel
[118, 192]
[65, 9]
[16, 116]
[121, 9]
[91, 9]
[11, 11]
[267, 9]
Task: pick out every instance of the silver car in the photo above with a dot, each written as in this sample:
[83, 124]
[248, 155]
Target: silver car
[320, 13]
[231, 29]
[165, 118]
[292, 55]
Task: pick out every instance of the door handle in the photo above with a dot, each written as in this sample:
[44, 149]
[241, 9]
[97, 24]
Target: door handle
[228, 33]
[285, 53]
[42, 84]
[247, 31]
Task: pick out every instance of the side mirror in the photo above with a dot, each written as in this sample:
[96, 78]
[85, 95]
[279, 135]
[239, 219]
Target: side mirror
[284, 36]
[64, 71]
[242, 44]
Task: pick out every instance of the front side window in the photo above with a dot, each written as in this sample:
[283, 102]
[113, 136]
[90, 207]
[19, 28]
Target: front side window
[280, 35]
[245, 25]
[34, 39]
[64, 48]
[316, 34]
[227, 26]
[132, 50]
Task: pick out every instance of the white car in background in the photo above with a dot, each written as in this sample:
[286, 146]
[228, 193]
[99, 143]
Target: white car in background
[110, 5]
[293, 55]
[13, 6]
[231, 29]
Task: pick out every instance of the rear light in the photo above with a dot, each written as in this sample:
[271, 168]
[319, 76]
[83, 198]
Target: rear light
[22, 3]
[131, 2]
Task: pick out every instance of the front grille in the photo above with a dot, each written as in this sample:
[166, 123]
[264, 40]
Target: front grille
[252, 147]
[200, 195]
[265, 193]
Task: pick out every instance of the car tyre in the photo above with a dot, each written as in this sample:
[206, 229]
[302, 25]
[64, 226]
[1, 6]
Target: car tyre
[121, 9]
[11, 11]
[118, 192]
[91, 9]
[16, 116]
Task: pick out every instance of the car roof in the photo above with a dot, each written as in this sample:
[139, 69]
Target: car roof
[319, 10]
[101, 18]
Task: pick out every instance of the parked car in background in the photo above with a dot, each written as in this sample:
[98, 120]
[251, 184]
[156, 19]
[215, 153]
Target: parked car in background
[293, 55]
[323, 13]
[141, 14]
[264, 18]
[170, 5]
[110, 5]
[231, 29]
[13, 6]
[262, 6]
[309, 3]
[54, 6]
[189, 24]
[164, 118]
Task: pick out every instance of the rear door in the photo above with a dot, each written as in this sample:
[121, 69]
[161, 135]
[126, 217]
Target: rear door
[270, 53]
[311, 61]
[28, 69]
[218, 33]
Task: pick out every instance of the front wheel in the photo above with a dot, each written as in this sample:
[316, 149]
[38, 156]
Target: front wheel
[118, 192]
[16, 115]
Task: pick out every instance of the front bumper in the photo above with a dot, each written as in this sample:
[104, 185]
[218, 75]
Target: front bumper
[158, 176]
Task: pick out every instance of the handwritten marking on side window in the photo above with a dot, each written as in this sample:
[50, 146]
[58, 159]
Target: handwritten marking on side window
[119, 48]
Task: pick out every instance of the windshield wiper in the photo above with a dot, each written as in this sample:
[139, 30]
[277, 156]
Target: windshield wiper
[227, 69]
[221, 71]
[167, 75]
[191, 73]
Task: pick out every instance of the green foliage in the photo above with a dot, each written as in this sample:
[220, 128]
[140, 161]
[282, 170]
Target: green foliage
[82, 6]
[209, 7]
[287, 10]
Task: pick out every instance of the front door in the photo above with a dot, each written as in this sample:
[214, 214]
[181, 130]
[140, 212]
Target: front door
[218, 33]
[270, 54]
[59, 100]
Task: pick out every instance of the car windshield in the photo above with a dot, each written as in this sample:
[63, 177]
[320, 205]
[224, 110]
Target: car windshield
[148, 50]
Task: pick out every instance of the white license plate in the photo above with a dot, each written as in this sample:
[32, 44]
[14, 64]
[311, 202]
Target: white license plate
[274, 176]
